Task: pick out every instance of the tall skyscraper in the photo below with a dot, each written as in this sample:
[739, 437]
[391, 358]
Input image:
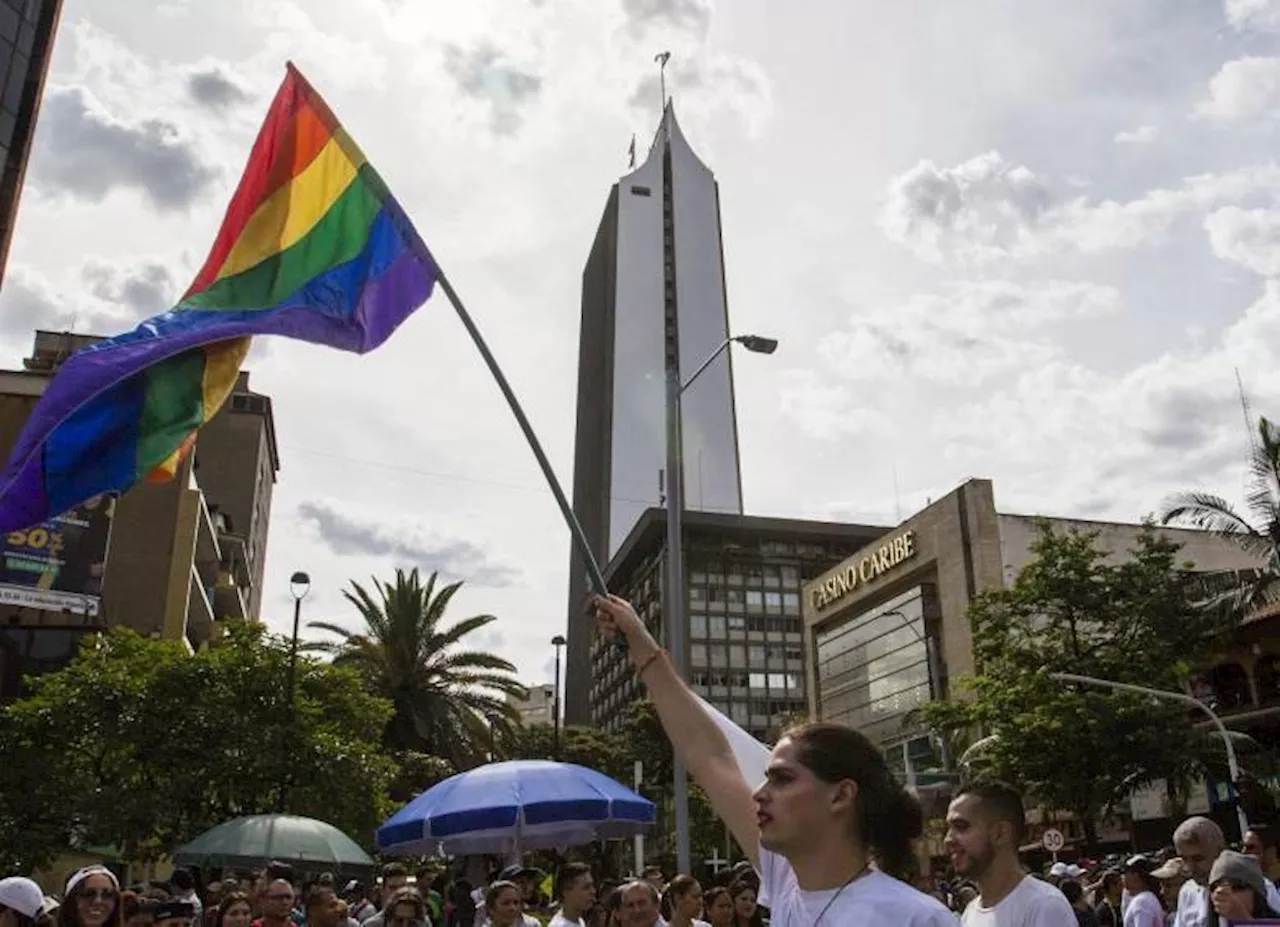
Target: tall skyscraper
[653, 285]
[27, 29]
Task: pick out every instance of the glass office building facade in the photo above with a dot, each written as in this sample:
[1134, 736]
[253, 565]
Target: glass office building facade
[874, 669]
[27, 30]
[653, 291]
[744, 579]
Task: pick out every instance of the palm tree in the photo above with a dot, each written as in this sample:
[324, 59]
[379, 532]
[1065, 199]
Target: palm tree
[448, 700]
[1239, 593]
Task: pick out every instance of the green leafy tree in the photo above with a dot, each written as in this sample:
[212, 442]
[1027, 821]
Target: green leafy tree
[138, 744]
[586, 746]
[1244, 591]
[446, 697]
[1075, 609]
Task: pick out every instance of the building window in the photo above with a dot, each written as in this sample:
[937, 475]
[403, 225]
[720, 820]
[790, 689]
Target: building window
[697, 625]
[755, 601]
[698, 654]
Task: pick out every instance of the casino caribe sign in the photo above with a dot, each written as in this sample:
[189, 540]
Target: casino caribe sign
[859, 572]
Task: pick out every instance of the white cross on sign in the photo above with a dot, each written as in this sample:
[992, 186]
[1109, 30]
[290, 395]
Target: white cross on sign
[716, 863]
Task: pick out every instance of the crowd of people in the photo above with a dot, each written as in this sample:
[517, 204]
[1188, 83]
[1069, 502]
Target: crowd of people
[829, 839]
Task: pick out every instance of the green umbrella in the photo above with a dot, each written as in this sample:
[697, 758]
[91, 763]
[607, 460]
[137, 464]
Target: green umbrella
[259, 838]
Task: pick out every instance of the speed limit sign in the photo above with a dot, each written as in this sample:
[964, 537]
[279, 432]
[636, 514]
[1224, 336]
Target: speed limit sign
[1053, 840]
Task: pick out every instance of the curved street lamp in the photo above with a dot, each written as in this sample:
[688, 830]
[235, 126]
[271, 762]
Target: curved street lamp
[673, 602]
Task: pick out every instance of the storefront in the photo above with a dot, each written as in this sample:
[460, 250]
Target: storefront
[886, 630]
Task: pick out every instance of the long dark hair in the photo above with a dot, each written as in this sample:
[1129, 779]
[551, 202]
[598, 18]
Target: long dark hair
[69, 915]
[886, 816]
[736, 889]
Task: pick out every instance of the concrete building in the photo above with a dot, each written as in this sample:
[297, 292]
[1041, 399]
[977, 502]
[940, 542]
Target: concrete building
[886, 630]
[538, 706]
[167, 559]
[653, 289]
[27, 31]
[744, 578]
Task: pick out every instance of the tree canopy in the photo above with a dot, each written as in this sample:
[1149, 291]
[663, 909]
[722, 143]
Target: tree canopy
[1076, 609]
[447, 698]
[138, 744]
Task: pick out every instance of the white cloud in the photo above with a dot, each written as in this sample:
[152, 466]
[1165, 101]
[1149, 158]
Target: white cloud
[1262, 15]
[1246, 88]
[981, 206]
[962, 334]
[1250, 237]
[989, 209]
[1137, 136]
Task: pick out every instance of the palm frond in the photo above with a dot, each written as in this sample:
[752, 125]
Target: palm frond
[1205, 511]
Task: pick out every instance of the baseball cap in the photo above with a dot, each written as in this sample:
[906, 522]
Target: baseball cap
[1237, 867]
[22, 895]
[1139, 864]
[1172, 868]
[1058, 869]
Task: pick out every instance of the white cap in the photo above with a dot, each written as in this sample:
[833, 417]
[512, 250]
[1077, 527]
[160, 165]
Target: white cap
[22, 895]
[1058, 869]
[1074, 871]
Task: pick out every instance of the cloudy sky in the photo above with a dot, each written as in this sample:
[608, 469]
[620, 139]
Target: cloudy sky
[1018, 239]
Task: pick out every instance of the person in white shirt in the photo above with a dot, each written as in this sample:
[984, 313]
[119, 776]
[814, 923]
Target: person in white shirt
[504, 903]
[986, 823]
[1198, 841]
[826, 827]
[1145, 909]
[1260, 843]
[576, 891]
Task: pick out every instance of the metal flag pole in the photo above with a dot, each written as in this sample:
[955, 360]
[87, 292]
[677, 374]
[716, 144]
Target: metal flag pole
[575, 528]
[661, 60]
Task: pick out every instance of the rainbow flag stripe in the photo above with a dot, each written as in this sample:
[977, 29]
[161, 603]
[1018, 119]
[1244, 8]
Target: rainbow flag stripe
[313, 246]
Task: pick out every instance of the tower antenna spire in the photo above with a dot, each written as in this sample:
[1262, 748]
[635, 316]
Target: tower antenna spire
[661, 59]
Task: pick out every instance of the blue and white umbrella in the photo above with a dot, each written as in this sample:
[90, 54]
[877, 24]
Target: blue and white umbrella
[507, 808]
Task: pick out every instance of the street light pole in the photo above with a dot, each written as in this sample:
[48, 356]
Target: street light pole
[675, 591]
[299, 586]
[1233, 768]
[557, 642]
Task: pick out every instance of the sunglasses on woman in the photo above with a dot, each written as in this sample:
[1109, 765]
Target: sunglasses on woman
[98, 894]
[1233, 884]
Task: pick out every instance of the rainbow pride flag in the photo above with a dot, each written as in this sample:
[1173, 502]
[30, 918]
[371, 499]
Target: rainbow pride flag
[313, 247]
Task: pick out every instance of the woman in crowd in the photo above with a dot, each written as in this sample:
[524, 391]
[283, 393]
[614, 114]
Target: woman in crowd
[404, 908]
[91, 899]
[505, 904]
[718, 904]
[235, 910]
[1145, 907]
[746, 913]
[682, 902]
[1237, 890]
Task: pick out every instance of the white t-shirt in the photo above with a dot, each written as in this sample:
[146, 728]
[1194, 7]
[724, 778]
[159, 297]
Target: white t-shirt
[561, 921]
[1031, 904]
[874, 900]
[1193, 906]
[1144, 911]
